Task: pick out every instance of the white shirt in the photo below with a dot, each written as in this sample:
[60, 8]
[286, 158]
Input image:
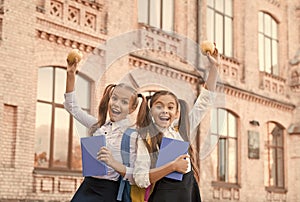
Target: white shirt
[143, 161]
[113, 132]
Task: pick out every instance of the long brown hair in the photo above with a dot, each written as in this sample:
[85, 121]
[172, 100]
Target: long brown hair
[152, 136]
[103, 105]
[184, 131]
[146, 128]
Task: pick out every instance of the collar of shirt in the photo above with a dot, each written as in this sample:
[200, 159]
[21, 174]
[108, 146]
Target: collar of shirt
[110, 126]
[122, 124]
[170, 132]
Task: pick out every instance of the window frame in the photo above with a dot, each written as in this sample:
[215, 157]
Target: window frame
[150, 13]
[266, 53]
[269, 147]
[54, 106]
[221, 42]
[218, 181]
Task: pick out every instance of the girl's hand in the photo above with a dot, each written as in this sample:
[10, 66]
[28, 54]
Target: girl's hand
[214, 59]
[105, 155]
[181, 164]
[72, 67]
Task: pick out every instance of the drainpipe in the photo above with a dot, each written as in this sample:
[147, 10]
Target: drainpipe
[198, 28]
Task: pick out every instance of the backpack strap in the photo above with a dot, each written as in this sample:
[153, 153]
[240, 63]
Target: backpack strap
[125, 146]
[124, 188]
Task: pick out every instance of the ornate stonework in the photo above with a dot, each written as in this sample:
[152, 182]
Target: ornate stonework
[274, 2]
[295, 71]
[53, 22]
[250, 97]
[162, 70]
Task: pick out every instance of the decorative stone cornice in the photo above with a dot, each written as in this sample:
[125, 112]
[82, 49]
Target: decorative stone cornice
[272, 83]
[230, 69]
[64, 41]
[45, 25]
[92, 4]
[162, 70]
[45, 31]
[223, 88]
[274, 2]
[296, 88]
[159, 32]
[255, 98]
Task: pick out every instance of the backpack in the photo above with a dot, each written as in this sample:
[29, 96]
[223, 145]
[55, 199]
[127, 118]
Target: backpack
[127, 192]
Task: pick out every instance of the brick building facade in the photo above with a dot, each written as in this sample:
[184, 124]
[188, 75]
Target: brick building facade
[258, 154]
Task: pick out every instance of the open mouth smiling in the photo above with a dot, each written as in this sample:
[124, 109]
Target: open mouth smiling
[115, 111]
[164, 118]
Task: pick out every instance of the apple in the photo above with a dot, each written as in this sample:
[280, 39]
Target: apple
[207, 46]
[73, 55]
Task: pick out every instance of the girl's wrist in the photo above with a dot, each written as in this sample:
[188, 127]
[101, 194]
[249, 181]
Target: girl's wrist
[71, 72]
[113, 164]
[173, 166]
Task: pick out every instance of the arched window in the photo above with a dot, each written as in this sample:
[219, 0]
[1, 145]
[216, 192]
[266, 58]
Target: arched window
[268, 44]
[219, 23]
[275, 156]
[57, 143]
[224, 124]
[157, 13]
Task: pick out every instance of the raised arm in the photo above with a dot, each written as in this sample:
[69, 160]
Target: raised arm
[207, 94]
[70, 103]
[71, 73]
[211, 81]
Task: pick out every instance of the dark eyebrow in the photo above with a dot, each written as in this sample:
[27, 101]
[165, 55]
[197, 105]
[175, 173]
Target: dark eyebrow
[123, 98]
[168, 103]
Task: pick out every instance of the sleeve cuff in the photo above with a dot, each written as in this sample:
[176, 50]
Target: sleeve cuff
[70, 100]
[210, 95]
[69, 95]
[142, 180]
[128, 175]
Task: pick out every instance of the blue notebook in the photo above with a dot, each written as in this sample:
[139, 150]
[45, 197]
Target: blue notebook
[90, 146]
[170, 149]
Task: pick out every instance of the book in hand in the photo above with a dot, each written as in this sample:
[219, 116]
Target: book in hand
[90, 146]
[169, 150]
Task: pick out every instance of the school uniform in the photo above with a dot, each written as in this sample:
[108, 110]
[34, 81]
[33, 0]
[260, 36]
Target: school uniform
[102, 188]
[168, 190]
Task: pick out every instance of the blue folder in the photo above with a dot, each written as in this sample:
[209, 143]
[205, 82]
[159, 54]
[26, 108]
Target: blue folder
[90, 146]
[170, 149]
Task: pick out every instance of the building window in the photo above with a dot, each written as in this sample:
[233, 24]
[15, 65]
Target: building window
[219, 22]
[224, 125]
[57, 143]
[268, 44]
[157, 13]
[275, 156]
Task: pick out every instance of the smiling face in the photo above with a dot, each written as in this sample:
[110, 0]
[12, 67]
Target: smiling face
[120, 104]
[164, 110]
